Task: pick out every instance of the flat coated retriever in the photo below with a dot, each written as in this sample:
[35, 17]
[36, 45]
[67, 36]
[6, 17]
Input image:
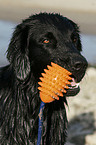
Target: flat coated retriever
[36, 42]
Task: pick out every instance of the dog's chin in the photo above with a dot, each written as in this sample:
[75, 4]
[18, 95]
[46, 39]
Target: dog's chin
[73, 88]
[72, 91]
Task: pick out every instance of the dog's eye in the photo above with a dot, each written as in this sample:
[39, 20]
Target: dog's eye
[46, 41]
[75, 40]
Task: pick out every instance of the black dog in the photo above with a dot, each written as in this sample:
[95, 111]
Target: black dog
[36, 42]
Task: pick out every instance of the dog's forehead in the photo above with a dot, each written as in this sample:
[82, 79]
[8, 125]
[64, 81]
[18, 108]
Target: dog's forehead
[55, 19]
[60, 24]
[57, 27]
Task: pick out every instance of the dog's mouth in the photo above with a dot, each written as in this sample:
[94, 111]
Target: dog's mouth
[73, 87]
[73, 84]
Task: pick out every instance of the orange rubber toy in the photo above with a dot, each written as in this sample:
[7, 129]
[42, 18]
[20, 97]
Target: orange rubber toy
[54, 82]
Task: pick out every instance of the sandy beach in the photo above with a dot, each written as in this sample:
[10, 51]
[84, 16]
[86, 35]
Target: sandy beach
[83, 12]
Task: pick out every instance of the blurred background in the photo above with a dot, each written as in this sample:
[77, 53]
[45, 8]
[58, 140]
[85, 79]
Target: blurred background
[82, 108]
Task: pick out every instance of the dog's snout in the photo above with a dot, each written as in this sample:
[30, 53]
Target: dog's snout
[76, 62]
[78, 65]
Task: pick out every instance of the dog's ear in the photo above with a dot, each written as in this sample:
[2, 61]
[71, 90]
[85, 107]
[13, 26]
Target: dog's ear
[17, 52]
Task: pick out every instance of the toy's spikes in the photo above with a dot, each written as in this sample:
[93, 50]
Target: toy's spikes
[50, 87]
[54, 83]
[61, 68]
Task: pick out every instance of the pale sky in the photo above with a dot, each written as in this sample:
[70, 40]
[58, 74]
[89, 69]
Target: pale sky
[85, 5]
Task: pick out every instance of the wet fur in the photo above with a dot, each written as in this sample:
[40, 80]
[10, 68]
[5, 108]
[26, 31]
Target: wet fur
[19, 95]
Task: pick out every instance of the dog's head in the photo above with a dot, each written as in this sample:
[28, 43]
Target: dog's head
[45, 38]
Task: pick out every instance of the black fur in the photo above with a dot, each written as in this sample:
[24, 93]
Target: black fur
[28, 55]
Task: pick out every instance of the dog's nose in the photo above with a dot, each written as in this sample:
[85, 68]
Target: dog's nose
[79, 64]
